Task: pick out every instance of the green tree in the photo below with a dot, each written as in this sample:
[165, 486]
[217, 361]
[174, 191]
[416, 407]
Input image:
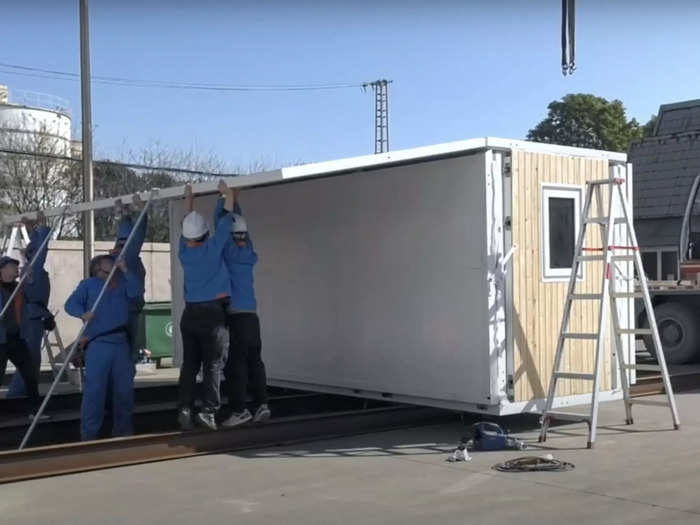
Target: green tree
[587, 121]
[648, 129]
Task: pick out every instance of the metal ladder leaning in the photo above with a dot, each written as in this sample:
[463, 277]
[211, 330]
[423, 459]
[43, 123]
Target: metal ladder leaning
[608, 255]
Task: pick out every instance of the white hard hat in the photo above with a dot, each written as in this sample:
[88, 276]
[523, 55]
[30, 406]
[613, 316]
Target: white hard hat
[194, 226]
[239, 224]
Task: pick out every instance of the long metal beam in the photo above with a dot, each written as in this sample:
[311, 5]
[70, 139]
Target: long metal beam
[41, 462]
[174, 192]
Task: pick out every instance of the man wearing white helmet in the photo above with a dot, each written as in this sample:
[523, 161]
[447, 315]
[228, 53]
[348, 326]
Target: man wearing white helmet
[245, 370]
[203, 323]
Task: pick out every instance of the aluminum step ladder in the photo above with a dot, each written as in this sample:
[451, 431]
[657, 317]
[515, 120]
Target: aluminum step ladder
[9, 243]
[56, 352]
[612, 251]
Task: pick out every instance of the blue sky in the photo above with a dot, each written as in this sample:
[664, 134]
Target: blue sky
[460, 69]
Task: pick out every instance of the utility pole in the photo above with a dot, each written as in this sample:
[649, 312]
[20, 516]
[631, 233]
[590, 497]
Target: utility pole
[88, 216]
[381, 114]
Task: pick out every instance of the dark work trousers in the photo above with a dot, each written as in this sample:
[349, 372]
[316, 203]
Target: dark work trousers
[16, 350]
[204, 342]
[245, 370]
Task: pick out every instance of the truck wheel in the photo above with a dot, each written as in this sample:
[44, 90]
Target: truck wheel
[679, 333]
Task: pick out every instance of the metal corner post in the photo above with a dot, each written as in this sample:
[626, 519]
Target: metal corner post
[88, 193]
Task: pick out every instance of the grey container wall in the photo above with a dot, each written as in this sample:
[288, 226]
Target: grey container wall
[375, 282]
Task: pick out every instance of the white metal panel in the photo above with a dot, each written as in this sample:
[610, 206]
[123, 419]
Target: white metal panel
[374, 281]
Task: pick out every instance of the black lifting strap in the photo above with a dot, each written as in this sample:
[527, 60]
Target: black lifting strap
[568, 37]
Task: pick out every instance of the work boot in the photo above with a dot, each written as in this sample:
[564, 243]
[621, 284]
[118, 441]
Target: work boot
[207, 419]
[262, 414]
[237, 418]
[184, 419]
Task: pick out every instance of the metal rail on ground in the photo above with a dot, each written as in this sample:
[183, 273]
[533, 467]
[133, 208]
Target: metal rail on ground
[41, 462]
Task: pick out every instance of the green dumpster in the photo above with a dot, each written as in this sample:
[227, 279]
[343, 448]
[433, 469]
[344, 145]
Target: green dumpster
[156, 330]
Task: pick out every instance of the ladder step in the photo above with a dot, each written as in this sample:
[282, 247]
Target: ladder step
[578, 335]
[575, 375]
[568, 416]
[603, 221]
[587, 296]
[644, 368]
[635, 331]
[627, 295]
[628, 258]
[599, 182]
[649, 402]
[583, 258]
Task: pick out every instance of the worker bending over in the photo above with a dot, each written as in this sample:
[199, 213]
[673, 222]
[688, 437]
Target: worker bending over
[132, 256]
[244, 370]
[203, 323]
[36, 289]
[108, 363]
[15, 330]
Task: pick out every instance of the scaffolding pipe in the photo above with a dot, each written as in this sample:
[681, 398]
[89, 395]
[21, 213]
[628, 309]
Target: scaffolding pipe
[26, 273]
[69, 356]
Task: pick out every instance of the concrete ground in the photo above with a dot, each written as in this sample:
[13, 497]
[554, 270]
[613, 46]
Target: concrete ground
[644, 474]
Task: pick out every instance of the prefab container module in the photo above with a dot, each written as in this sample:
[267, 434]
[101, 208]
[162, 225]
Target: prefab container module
[385, 276]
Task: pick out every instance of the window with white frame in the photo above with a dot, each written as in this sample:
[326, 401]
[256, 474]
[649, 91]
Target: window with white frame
[560, 217]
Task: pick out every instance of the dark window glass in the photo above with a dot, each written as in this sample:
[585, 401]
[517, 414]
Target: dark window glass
[669, 266]
[562, 232]
[650, 265]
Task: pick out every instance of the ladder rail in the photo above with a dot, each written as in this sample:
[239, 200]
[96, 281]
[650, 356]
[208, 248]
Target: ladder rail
[619, 350]
[565, 316]
[607, 233]
[652, 319]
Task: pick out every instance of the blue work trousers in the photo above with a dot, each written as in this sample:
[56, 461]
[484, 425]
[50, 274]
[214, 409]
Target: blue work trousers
[108, 368]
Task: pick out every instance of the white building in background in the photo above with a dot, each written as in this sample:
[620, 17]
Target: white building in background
[24, 115]
[40, 125]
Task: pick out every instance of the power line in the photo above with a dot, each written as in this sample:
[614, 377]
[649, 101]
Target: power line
[115, 163]
[14, 69]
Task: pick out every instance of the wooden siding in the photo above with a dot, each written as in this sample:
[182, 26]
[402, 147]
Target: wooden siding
[538, 304]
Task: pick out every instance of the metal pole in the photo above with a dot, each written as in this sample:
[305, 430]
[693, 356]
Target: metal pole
[88, 194]
[26, 273]
[68, 358]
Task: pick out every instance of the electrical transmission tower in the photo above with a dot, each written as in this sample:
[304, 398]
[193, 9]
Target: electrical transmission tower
[381, 114]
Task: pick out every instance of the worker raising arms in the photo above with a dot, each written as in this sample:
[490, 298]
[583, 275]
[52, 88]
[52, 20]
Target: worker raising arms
[203, 323]
[108, 363]
[245, 370]
[132, 256]
[36, 289]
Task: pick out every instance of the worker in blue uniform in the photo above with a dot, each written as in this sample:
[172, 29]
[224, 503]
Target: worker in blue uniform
[244, 370]
[132, 256]
[108, 363]
[14, 330]
[203, 323]
[36, 289]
